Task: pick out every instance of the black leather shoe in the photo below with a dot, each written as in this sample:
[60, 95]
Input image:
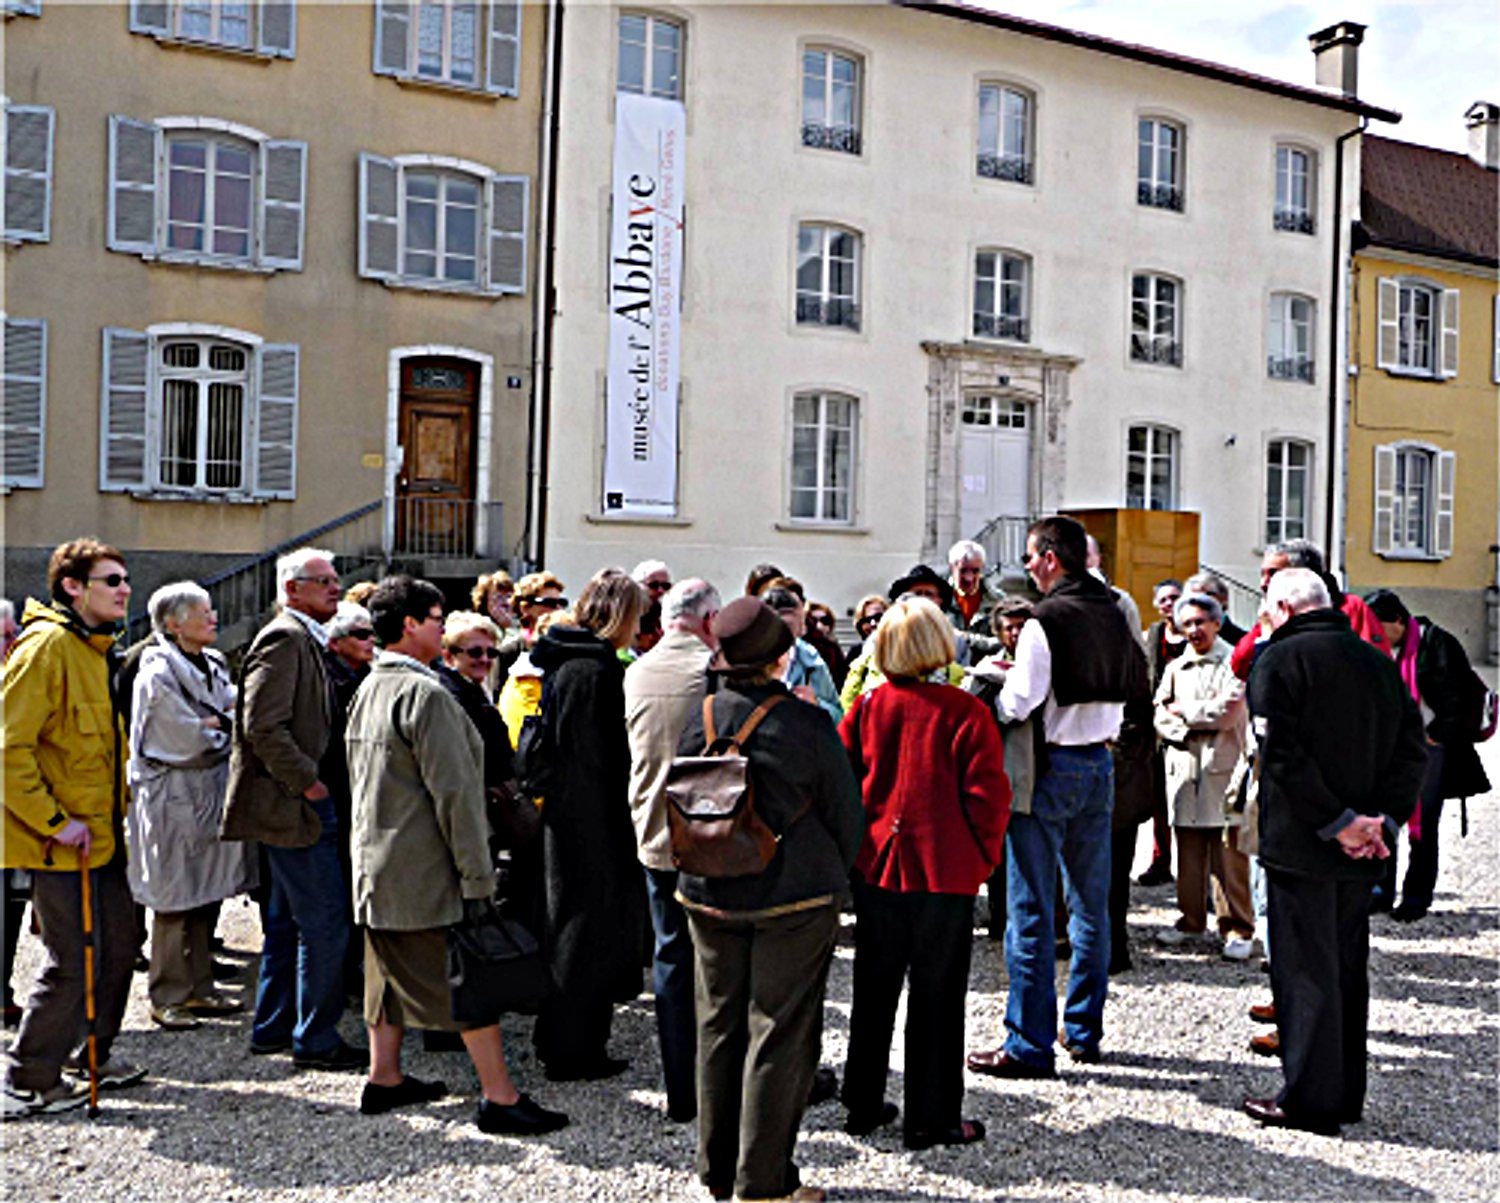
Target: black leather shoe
[1156, 874]
[968, 1132]
[586, 1071]
[341, 1058]
[825, 1085]
[521, 1118]
[1000, 1064]
[1408, 913]
[862, 1123]
[377, 1100]
[1269, 1113]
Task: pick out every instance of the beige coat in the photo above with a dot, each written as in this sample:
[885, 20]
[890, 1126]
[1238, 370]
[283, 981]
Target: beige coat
[662, 691]
[1203, 734]
[420, 842]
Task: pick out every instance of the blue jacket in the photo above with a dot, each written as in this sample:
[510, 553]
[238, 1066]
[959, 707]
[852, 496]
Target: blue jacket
[806, 667]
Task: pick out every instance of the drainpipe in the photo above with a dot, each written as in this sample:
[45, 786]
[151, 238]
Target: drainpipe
[1338, 371]
[539, 435]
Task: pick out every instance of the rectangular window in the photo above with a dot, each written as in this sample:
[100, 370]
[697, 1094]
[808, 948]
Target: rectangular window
[1294, 190]
[1159, 165]
[823, 434]
[1156, 320]
[210, 196]
[1290, 355]
[267, 27]
[1288, 469]
[827, 277]
[830, 101]
[26, 196]
[1005, 133]
[471, 44]
[1417, 328]
[650, 56]
[1151, 468]
[1002, 296]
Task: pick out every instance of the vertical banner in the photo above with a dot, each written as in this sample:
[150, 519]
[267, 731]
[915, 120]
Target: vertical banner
[645, 280]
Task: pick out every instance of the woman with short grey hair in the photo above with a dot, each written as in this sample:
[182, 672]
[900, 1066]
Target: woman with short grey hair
[183, 703]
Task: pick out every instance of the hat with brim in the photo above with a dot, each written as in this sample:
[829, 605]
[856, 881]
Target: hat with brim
[922, 575]
[750, 634]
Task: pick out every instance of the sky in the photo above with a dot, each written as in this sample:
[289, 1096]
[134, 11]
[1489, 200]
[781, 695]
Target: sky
[1427, 59]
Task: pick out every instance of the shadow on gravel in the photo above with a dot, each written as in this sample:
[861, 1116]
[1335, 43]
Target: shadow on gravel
[1436, 979]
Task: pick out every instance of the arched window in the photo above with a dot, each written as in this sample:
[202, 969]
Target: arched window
[1296, 190]
[1160, 163]
[830, 99]
[1002, 295]
[1007, 125]
[1156, 319]
[828, 273]
[1288, 489]
[1289, 354]
[824, 428]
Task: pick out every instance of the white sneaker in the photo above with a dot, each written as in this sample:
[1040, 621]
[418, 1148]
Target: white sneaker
[1238, 948]
[18, 1103]
[115, 1074]
[1174, 937]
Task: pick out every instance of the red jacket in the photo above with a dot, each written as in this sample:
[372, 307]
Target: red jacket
[931, 769]
[1361, 619]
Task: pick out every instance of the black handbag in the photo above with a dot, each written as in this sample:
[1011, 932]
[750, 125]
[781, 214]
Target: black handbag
[494, 968]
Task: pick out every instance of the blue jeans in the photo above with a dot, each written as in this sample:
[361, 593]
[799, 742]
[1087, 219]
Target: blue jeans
[1069, 824]
[306, 920]
[672, 983]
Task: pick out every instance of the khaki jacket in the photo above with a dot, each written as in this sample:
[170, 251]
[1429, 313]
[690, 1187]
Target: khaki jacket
[662, 690]
[1203, 742]
[420, 840]
[283, 717]
[64, 744]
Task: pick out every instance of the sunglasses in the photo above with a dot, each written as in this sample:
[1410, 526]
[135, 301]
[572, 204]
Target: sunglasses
[112, 580]
[361, 633]
[869, 620]
[658, 586]
[481, 653]
[819, 620]
[547, 603]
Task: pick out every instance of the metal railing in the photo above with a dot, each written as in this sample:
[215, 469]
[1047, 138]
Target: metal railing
[1154, 348]
[1003, 538]
[1000, 325]
[1297, 221]
[1244, 600]
[1014, 168]
[821, 136]
[828, 311]
[449, 528]
[1290, 367]
[1159, 196]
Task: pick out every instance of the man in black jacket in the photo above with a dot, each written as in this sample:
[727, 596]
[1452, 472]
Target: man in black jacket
[1342, 758]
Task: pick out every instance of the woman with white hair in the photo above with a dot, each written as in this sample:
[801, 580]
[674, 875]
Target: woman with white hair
[181, 716]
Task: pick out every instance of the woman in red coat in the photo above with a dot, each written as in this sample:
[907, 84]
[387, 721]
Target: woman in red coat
[932, 775]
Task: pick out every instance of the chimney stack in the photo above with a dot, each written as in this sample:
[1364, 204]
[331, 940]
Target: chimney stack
[1336, 51]
[1483, 120]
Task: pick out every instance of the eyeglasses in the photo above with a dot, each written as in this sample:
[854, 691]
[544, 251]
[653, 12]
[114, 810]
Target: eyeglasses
[112, 580]
[326, 579]
[548, 603]
[361, 633]
[481, 653]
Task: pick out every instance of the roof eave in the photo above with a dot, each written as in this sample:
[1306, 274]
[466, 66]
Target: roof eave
[1410, 248]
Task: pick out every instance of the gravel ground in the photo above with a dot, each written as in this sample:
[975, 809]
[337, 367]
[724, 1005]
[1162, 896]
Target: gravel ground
[1156, 1120]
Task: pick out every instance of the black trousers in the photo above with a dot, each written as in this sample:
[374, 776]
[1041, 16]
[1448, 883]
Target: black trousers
[1321, 986]
[1422, 855]
[1121, 854]
[923, 940]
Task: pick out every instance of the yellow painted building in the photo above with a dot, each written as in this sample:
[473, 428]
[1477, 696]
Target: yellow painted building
[1424, 410]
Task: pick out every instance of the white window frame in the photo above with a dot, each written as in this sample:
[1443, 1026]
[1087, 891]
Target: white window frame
[271, 26]
[1399, 350]
[1288, 215]
[1279, 527]
[826, 134]
[1000, 160]
[1148, 346]
[23, 355]
[24, 174]
[649, 84]
[499, 194]
[1154, 190]
[1394, 496]
[202, 377]
[215, 144]
[997, 323]
[1162, 442]
[824, 305]
[497, 44]
[822, 488]
[1283, 360]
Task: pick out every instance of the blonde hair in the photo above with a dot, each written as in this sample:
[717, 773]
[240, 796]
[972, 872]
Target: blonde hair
[460, 624]
[359, 592]
[492, 582]
[867, 601]
[611, 606]
[913, 639]
[530, 586]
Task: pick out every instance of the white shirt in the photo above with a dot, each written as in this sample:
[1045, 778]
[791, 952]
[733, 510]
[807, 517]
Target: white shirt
[1028, 685]
[314, 628]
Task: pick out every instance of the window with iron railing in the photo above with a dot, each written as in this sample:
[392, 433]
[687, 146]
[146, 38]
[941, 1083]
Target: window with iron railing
[1156, 320]
[1159, 166]
[1002, 296]
[1290, 351]
[828, 277]
[1005, 133]
[830, 100]
[1295, 189]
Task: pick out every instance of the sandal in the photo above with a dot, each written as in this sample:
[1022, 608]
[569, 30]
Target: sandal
[968, 1132]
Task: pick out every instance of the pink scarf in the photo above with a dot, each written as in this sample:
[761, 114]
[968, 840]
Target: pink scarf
[1406, 662]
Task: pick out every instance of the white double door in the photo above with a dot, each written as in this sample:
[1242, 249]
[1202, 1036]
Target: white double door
[994, 461]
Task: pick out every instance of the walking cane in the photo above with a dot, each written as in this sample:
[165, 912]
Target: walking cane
[88, 981]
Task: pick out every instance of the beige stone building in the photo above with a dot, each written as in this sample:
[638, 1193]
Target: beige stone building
[268, 265]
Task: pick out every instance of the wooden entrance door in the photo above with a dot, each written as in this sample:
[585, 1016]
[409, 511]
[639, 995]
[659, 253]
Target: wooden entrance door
[435, 491]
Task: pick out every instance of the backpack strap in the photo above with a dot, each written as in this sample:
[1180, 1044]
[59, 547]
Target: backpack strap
[747, 728]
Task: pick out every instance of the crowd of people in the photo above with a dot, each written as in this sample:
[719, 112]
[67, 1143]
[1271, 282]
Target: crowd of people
[382, 771]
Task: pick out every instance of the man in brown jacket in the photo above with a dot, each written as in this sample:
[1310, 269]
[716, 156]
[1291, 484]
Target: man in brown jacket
[282, 721]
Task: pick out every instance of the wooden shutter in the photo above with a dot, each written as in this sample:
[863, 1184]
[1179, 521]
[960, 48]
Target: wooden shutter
[28, 172]
[1385, 500]
[1446, 469]
[1448, 348]
[134, 151]
[284, 204]
[509, 203]
[23, 404]
[124, 415]
[278, 28]
[276, 422]
[1388, 341]
[392, 37]
[379, 217]
[150, 16]
[503, 67]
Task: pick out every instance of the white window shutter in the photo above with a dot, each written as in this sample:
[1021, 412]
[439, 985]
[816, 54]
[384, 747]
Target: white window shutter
[150, 16]
[276, 422]
[1442, 521]
[124, 415]
[1383, 534]
[1388, 345]
[508, 209]
[23, 404]
[503, 67]
[284, 204]
[1278, 326]
[134, 151]
[1449, 348]
[392, 37]
[278, 28]
[379, 217]
[28, 172]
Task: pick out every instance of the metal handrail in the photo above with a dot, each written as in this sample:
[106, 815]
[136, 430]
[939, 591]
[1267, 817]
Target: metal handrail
[1244, 600]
